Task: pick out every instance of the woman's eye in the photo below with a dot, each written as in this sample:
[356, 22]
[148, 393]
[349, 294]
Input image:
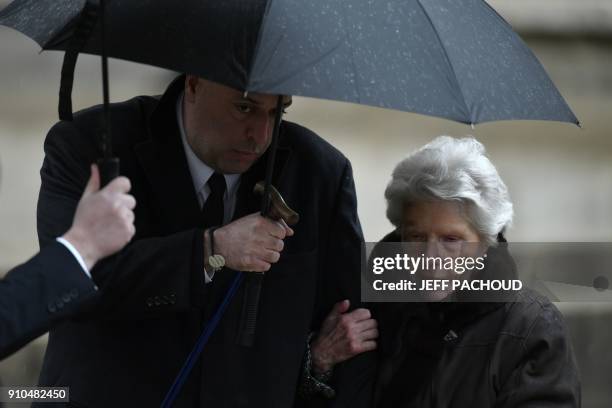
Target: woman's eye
[416, 238]
[451, 244]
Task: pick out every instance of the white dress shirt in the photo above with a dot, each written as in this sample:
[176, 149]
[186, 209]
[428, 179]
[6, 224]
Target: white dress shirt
[75, 253]
[77, 256]
[201, 172]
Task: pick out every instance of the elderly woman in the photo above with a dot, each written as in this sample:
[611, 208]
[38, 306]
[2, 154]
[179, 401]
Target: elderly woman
[511, 353]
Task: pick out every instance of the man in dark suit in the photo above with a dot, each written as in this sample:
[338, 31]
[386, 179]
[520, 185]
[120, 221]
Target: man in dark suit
[193, 157]
[49, 287]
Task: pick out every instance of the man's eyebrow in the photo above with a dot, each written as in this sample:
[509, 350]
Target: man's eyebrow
[255, 102]
[250, 100]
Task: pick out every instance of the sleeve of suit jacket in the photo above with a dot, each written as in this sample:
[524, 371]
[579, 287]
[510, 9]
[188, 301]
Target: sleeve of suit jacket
[150, 275]
[340, 279]
[38, 294]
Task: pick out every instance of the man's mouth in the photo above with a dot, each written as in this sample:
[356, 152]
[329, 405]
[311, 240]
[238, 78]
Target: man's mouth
[245, 154]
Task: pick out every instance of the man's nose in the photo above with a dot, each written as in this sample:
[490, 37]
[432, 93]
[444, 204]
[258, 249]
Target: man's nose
[260, 128]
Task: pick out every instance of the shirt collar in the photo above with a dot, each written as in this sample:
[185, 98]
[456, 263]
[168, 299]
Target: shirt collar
[200, 171]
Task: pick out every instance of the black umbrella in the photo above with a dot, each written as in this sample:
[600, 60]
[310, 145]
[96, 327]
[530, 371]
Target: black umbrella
[456, 59]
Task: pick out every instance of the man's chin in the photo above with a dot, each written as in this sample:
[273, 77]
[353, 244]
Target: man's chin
[238, 166]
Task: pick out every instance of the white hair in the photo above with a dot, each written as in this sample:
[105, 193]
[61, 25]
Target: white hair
[449, 169]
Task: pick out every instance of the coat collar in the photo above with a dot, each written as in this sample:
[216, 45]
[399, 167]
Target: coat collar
[163, 160]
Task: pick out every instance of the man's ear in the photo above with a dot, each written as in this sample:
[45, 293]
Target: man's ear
[191, 85]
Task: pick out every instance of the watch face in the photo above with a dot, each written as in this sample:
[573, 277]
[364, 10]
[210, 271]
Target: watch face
[216, 261]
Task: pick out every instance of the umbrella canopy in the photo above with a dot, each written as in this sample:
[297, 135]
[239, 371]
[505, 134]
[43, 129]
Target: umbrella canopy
[456, 59]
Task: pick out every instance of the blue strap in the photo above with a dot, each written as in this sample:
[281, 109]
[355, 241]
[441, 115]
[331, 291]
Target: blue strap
[195, 353]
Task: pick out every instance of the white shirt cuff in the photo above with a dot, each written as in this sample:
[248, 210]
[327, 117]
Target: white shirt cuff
[76, 254]
[208, 277]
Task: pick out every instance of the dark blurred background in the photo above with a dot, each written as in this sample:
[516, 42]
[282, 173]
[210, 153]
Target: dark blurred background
[559, 176]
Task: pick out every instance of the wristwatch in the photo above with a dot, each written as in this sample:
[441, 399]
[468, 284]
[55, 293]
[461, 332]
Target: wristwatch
[215, 261]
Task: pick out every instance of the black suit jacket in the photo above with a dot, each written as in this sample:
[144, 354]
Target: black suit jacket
[128, 350]
[38, 294]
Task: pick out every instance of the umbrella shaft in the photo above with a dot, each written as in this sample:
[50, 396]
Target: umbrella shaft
[106, 136]
[265, 201]
[254, 282]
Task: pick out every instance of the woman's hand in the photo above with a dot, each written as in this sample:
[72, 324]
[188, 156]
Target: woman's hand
[343, 335]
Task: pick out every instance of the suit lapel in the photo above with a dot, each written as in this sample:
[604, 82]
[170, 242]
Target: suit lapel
[163, 160]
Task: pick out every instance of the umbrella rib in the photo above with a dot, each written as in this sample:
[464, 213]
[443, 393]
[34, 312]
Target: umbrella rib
[266, 63]
[308, 65]
[357, 88]
[264, 21]
[458, 85]
[297, 70]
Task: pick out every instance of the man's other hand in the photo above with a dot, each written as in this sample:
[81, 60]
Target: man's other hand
[104, 221]
[251, 243]
[343, 335]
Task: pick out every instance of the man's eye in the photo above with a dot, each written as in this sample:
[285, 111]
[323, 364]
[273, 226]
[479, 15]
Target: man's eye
[244, 108]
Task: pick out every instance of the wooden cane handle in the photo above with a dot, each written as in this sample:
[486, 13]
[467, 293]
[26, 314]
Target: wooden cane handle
[278, 207]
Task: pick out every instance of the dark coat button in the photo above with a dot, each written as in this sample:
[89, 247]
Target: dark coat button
[149, 302]
[74, 293]
[66, 297]
[51, 307]
[157, 301]
[59, 304]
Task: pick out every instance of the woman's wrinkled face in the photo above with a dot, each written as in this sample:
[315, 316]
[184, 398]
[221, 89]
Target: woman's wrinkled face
[439, 229]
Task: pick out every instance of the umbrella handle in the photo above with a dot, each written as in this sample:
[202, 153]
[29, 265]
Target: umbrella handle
[278, 207]
[109, 169]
